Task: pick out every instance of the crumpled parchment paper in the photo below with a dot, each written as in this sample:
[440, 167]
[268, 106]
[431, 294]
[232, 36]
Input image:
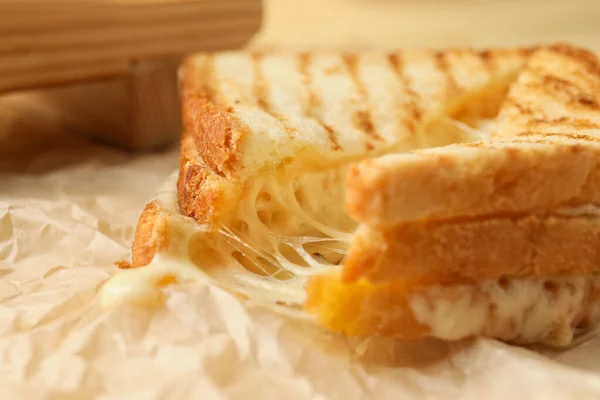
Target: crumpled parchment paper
[67, 213]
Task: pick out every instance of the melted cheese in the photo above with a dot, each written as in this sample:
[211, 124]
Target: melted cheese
[287, 228]
[481, 130]
[279, 236]
[523, 311]
[143, 286]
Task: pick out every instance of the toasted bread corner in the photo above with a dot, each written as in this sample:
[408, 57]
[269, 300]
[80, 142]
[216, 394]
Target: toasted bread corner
[151, 235]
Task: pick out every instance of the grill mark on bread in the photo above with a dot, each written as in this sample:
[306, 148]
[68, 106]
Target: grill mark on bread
[521, 108]
[331, 135]
[261, 94]
[413, 103]
[441, 62]
[314, 101]
[361, 119]
[572, 136]
[484, 64]
[583, 57]
[577, 123]
[488, 59]
[333, 70]
[574, 94]
[528, 137]
[535, 138]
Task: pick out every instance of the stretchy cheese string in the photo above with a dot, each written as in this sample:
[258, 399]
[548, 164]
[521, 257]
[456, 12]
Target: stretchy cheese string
[260, 242]
[312, 239]
[263, 241]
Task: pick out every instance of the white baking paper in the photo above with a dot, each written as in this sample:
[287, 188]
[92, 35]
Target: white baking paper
[67, 214]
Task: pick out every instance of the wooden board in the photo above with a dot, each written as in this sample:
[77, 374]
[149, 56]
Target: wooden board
[49, 42]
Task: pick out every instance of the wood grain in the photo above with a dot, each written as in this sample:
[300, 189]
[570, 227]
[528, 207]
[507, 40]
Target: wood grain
[45, 42]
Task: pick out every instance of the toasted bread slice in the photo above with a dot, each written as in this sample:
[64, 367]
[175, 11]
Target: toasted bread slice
[245, 113]
[557, 95]
[474, 250]
[552, 115]
[469, 180]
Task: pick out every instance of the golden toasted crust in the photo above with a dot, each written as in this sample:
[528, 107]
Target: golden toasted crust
[475, 179]
[151, 236]
[203, 195]
[216, 132]
[476, 250]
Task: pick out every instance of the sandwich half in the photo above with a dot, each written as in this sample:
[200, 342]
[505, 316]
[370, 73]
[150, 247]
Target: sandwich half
[407, 194]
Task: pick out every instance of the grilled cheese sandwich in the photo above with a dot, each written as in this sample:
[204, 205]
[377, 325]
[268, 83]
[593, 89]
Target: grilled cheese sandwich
[491, 220]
